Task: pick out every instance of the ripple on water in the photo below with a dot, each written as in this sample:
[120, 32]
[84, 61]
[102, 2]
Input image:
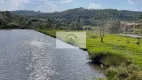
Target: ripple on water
[41, 61]
[39, 44]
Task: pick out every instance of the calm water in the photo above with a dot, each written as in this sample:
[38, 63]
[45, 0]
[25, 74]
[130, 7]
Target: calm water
[30, 55]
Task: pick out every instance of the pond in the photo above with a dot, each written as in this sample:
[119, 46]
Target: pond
[30, 55]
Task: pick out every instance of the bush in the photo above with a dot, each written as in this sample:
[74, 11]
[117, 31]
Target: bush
[122, 72]
[136, 76]
[109, 58]
[11, 26]
[111, 72]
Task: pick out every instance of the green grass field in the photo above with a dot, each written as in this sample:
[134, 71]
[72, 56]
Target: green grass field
[116, 44]
[121, 56]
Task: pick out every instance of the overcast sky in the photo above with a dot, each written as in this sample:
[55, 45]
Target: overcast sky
[60, 5]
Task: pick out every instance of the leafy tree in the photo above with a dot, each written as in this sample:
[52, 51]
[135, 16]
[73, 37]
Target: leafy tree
[140, 16]
[50, 23]
[114, 26]
[2, 21]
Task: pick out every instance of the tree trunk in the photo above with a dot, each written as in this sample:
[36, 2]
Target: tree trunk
[102, 39]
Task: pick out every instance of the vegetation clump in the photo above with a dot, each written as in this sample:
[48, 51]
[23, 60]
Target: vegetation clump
[136, 76]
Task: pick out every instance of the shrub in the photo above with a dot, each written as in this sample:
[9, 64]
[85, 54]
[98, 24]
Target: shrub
[111, 72]
[136, 76]
[11, 26]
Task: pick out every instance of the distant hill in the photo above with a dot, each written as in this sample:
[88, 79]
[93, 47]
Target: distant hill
[84, 14]
[26, 12]
[87, 16]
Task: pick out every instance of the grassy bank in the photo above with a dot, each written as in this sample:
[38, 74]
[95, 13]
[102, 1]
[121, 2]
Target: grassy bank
[121, 56]
[51, 33]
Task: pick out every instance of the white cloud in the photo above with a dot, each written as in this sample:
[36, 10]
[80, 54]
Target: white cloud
[37, 5]
[135, 1]
[94, 6]
[47, 7]
[65, 1]
[52, 6]
[15, 4]
[18, 2]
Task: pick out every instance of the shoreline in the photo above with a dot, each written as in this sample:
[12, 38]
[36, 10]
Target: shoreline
[110, 61]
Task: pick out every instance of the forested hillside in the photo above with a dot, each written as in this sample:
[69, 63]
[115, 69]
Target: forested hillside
[73, 19]
[87, 16]
[26, 12]
[9, 20]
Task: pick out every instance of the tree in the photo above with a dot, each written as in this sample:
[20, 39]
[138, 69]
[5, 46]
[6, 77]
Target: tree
[140, 16]
[3, 22]
[140, 21]
[78, 24]
[50, 22]
[101, 28]
[114, 26]
[102, 34]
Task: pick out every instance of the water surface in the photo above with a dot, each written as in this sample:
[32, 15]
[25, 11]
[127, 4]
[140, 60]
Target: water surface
[30, 55]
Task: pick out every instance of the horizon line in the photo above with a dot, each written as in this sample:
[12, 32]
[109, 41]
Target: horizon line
[71, 9]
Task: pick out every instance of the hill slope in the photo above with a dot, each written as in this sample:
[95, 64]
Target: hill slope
[86, 16]
[10, 20]
[26, 12]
